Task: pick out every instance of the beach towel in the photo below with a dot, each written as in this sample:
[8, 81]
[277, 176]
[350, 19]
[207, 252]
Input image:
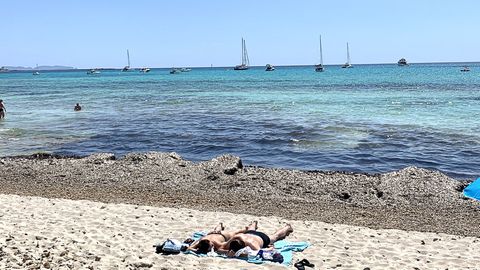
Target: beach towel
[473, 190]
[286, 248]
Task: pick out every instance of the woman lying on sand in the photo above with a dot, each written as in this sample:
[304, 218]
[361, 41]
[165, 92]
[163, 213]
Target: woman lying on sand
[217, 238]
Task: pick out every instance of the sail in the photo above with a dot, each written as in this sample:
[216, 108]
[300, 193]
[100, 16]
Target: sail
[319, 67]
[127, 67]
[321, 53]
[348, 55]
[245, 60]
[347, 64]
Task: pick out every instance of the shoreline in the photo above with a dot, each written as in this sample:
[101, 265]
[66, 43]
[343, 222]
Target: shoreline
[411, 199]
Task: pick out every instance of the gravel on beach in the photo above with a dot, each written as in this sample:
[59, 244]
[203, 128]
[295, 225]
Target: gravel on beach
[411, 199]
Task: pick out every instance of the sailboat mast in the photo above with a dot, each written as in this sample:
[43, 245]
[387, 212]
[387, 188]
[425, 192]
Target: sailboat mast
[247, 61]
[321, 53]
[128, 58]
[243, 50]
[348, 54]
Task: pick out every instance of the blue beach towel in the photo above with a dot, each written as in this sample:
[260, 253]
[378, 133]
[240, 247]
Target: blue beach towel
[286, 248]
[473, 190]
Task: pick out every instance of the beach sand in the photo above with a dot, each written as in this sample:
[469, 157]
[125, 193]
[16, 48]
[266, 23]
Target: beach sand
[99, 212]
[65, 234]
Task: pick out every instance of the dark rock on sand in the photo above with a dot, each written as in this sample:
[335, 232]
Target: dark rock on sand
[408, 199]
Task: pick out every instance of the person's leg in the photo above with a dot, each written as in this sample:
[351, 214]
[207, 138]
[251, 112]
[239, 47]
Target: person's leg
[218, 229]
[251, 227]
[281, 234]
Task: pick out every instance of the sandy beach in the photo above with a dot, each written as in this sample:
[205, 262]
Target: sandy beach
[64, 234]
[101, 213]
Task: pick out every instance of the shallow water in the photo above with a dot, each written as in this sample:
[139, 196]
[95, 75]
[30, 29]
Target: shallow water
[370, 118]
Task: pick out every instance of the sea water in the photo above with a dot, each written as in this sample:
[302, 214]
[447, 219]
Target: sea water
[370, 118]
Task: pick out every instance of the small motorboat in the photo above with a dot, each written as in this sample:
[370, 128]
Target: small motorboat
[144, 70]
[269, 67]
[36, 73]
[93, 71]
[185, 69]
[402, 62]
[465, 69]
[175, 71]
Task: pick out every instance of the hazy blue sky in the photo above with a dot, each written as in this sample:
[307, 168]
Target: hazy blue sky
[90, 33]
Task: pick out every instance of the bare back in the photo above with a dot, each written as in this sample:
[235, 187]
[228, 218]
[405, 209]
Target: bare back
[250, 240]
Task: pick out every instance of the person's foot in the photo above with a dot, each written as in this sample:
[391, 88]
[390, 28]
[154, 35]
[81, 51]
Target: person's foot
[252, 226]
[219, 228]
[289, 229]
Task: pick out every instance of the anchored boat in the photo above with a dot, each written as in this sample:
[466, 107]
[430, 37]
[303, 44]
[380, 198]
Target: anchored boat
[319, 67]
[245, 61]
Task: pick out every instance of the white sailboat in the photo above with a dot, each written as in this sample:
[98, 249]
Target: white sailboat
[245, 61]
[36, 72]
[320, 67]
[127, 67]
[347, 64]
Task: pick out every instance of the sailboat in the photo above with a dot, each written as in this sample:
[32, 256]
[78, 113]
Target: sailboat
[127, 67]
[245, 61]
[36, 72]
[347, 64]
[319, 67]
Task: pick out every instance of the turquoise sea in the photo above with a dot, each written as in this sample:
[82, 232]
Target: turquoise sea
[370, 118]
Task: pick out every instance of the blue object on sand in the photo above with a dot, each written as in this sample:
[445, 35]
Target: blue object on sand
[286, 248]
[473, 190]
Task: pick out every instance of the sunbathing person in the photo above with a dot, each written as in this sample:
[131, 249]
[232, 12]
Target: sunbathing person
[217, 238]
[254, 239]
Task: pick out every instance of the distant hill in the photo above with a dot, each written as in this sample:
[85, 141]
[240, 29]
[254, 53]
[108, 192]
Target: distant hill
[40, 68]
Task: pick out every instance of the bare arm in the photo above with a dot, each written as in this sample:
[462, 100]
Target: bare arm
[193, 246]
[222, 251]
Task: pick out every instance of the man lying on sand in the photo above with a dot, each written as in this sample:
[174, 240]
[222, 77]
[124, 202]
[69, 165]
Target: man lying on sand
[253, 239]
[217, 238]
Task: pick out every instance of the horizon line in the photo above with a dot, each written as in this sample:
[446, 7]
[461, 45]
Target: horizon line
[252, 66]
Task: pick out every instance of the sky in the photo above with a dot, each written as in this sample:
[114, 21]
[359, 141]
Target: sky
[97, 33]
